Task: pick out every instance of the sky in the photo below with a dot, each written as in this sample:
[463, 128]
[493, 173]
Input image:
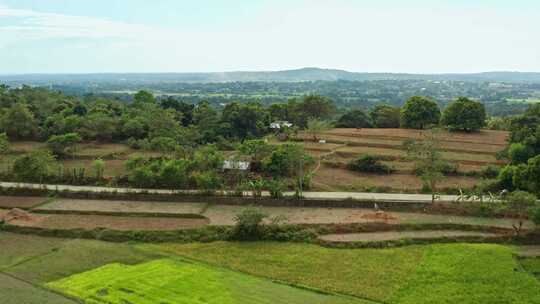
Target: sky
[410, 36]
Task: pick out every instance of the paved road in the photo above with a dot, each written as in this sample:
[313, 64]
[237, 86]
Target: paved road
[383, 197]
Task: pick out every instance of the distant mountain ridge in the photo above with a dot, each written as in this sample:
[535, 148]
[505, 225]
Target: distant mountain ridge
[297, 75]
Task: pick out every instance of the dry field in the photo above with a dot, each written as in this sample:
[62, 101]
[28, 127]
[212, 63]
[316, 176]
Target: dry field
[22, 202]
[471, 152]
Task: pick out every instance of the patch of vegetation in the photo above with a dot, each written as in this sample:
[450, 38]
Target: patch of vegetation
[181, 282]
[453, 273]
[369, 163]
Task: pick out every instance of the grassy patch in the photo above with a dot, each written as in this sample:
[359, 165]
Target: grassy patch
[469, 273]
[13, 291]
[39, 260]
[452, 273]
[369, 273]
[532, 265]
[170, 281]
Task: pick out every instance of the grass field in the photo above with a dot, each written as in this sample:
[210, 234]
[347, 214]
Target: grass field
[182, 282]
[451, 273]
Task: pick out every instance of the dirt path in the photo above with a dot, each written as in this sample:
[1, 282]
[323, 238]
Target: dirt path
[398, 235]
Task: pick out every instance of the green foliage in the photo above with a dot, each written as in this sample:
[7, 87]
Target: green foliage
[310, 107]
[490, 171]
[420, 113]
[385, 116]
[142, 97]
[65, 144]
[276, 188]
[535, 215]
[257, 149]
[248, 224]
[99, 168]
[19, 122]
[245, 120]
[518, 204]
[519, 153]
[4, 143]
[288, 160]
[174, 173]
[208, 180]
[316, 127]
[370, 164]
[464, 115]
[354, 119]
[34, 166]
[208, 158]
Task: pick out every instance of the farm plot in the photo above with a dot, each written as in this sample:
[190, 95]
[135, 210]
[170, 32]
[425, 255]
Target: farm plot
[14, 291]
[400, 235]
[131, 207]
[126, 223]
[443, 273]
[23, 202]
[172, 281]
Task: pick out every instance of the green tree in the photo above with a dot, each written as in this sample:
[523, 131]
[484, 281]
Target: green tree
[385, 116]
[143, 97]
[426, 154]
[464, 115]
[34, 166]
[257, 149]
[519, 204]
[19, 122]
[4, 143]
[290, 160]
[99, 168]
[311, 107]
[62, 145]
[354, 119]
[520, 153]
[245, 120]
[420, 112]
[316, 127]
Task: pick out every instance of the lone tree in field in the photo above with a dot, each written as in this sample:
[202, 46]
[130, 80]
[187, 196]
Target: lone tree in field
[420, 112]
[464, 115]
[519, 204]
[316, 127]
[354, 119]
[426, 154]
[64, 144]
[385, 116]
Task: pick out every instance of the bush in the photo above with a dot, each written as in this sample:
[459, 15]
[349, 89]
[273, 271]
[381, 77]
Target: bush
[519, 153]
[276, 188]
[249, 225]
[208, 180]
[369, 163]
[490, 171]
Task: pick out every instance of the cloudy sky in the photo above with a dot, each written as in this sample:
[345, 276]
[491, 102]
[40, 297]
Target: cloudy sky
[417, 36]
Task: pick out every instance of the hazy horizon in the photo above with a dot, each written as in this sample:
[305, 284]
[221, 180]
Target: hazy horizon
[211, 36]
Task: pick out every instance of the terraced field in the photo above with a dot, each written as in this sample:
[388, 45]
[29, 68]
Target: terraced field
[471, 152]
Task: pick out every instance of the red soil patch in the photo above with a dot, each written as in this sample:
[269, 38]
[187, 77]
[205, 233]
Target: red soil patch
[17, 215]
[380, 215]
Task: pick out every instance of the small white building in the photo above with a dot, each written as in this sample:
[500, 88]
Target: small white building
[276, 125]
[236, 165]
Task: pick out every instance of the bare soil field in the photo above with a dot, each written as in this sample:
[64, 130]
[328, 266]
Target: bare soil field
[23, 202]
[399, 235]
[329, 178]
[70, 221]
[123, 206]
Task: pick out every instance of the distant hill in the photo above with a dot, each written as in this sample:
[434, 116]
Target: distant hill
[298, 75]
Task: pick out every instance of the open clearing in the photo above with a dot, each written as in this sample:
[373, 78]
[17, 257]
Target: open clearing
[181, 282]
[400, 235]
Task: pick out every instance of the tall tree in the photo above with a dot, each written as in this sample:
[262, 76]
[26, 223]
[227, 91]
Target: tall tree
[385, 116]
[420, 112]
[464, 115]
[354, 119]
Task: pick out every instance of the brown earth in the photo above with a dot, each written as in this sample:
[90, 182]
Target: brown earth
[398, 235]
[69, 221]
[20, 201]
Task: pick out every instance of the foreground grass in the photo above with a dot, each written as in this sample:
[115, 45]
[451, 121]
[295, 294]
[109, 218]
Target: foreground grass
[22, 292]
[367, 273]
[448, 273]
[532, 265]
[170, 281]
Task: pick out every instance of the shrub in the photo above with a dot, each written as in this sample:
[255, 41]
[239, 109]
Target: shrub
[208, 180]
[63, 144]
[276, 188]
[249, 225]
[519, 203]
[34, 167]
[535, 215]
[490, 171]
[99, 168]
[369, 163]
[519, 153]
